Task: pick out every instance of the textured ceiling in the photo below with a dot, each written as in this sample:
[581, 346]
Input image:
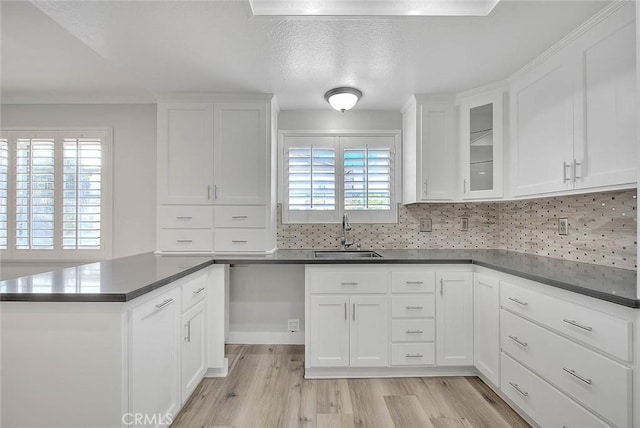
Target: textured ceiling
[169, 46]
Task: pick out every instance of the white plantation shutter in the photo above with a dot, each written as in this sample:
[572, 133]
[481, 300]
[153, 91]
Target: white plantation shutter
[82, 200]
[4, 201]
[35, 207]
[367, 179]
[312, 179]
[326, 175]
[55, 194]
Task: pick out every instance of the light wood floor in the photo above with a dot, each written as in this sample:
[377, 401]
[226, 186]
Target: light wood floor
[266, 388]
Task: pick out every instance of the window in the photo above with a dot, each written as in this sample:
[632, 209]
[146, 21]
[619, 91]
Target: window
[55, 194]
[325, 175]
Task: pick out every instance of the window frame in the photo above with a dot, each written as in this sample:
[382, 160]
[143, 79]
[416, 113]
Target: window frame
[106, 223]
[335, 216]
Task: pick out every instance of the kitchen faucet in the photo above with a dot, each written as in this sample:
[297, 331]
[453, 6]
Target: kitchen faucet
[346, 226]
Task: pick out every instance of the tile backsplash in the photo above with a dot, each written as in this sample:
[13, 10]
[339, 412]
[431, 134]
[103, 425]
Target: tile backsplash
[602, 228]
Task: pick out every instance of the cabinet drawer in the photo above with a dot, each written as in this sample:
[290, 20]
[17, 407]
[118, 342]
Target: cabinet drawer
[240, 240]
[240, 216]
[194, 290]
[602, 331]
[413, 282]
[413, 330]
[541, 401]
[422, 305]
[185, 217]
[413, 354]
[347, 282]
[597, 382]
[185, 240]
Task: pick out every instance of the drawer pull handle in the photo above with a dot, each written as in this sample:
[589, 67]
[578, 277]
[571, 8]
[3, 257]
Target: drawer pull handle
[517, 388]
[238, 217]
[414, 282]
[414, 308]
[199, 290]
[520, 302]
[577, 376]
[238, 241]
[415, 331]
[413, 355]
[184, 217]
[518, 341]
[184, 241]
[349, 284]
[164, 303]
[187, 326]
[576, 324]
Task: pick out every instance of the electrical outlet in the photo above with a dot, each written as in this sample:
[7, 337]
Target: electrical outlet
[563, 226]
[425, 225]
[293, 325]
[464, 224]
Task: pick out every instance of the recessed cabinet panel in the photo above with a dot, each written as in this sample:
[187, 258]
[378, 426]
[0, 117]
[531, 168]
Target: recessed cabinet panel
[329, 330]
[454, 320]
[369, 325]
[486, 353]
[609, 155]
[542, 129]
[185, 153]
[241, 149]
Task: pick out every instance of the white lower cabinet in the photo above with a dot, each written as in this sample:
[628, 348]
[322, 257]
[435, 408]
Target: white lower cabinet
[168, 349]
[154, 358]
[541, 401]
[348, 331]
[193, 349]
[454, 319]
[486, 332]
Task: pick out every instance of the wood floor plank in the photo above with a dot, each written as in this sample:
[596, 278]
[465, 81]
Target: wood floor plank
[335, 420]
[497, 403]
[266, 388]
[406, 412]
[334, 396]
[367, 400]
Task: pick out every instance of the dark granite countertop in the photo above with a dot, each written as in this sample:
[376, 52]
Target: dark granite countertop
[118, 280]
[127, 278]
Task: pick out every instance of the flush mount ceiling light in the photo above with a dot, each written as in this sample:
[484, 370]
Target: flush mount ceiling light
[373, 7]
[344, 98]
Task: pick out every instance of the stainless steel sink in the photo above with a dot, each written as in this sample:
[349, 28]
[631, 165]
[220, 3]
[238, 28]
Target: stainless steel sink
[339, 254]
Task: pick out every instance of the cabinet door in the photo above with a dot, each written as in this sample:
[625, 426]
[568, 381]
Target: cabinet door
[438, 167]
[154, 358]
[542, 109]
[185, 153]
[481, 128]
[486, 336]
[240, 165]
[454, 319]
[369, 331]
[193, 349]
[329, 331]
[608, 155]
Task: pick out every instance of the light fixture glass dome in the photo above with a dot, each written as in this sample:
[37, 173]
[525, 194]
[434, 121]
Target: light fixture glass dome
[343, 99]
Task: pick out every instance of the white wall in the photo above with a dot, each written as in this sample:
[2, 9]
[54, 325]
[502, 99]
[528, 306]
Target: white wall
[314, 120]
[134, 161]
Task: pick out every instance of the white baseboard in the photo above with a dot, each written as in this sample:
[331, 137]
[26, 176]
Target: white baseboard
[396, 371]
[218, 372]
[265, 338]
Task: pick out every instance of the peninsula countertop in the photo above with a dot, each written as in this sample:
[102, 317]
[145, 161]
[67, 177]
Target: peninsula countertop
[124, 279]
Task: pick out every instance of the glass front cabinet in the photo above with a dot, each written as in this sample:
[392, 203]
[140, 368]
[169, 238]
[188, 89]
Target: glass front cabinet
[481, 132]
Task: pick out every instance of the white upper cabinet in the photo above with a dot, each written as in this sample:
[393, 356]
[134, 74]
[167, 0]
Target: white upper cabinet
[429, 172]
[185, 153]
[607, 150]
[573, 112]
[241, 153]
[481, 149]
